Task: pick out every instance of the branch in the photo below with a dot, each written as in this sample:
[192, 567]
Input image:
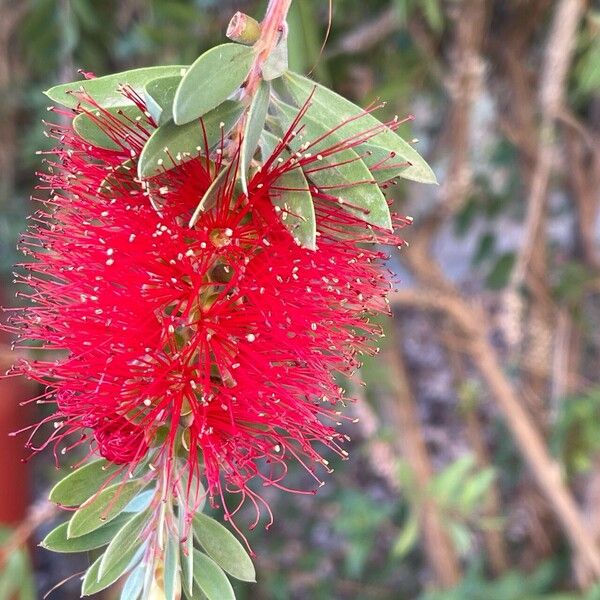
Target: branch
[560, 47]
[472, 322]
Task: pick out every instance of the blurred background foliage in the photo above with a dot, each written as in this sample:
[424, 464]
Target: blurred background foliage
[475, 464]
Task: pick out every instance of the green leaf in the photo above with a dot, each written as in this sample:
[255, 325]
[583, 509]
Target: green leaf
[134, 584]
[127, 540]
[499, 276]
[331, 109]
[93, 583]
[90, 129]
[105, 90]
[103, 508]
[186, 555]
[78, 486]
[140, 502]
[408, 537]
[212, 78]
[211, 195]
[187, 141]
[255, 124]
[223, 547]
[172, 575]
[159, 95]
[475, 489]
[210, 578]
[58, 541]
[293, 198]
[277, 63]
[448, 483]
[342, 174]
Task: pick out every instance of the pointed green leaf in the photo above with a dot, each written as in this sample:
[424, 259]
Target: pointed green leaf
[223, 547]
[58, 541]
[212, 78]
[159, 95]
[186, 554]
[342, 174]
[408, 537]
[132, 589]
[187, 141]
[331, 109]
[255, 124]
[211, 195]
[90, 130]
[277, 63]
[172, 575]
[82, 484]
[140, 502]
[93, 583]
[127, 539]
[105, 90]
[291, 194]
[103, 507]
[210, 578]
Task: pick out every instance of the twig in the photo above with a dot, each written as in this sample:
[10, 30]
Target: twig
[546, 471]
[438, 546]
[39, 513]
[560, 47]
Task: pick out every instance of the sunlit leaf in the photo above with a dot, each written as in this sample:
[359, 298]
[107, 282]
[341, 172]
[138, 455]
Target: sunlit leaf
[255, 124]
[159, 95]
[58, 541]
[103, 507]
[210, 578]
[331, 109]
[342, 174]
[105, 90]
[95, 131]
[127, 540]
[78, 486]
[171, 144]
[212, 78]
[223, 547]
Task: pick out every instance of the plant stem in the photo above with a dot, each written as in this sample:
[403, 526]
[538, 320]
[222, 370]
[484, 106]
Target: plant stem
[272, 27]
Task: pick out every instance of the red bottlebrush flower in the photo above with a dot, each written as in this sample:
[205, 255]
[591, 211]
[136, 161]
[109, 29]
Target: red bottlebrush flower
[218, 341]
[119, 440]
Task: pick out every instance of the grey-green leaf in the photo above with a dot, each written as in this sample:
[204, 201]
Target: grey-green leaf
[103, 508]
[94, 130]
[105, 90]
[172, 575]
[291, 194]
[210, 578]
[186, 554]
[134, 584]
[58, 541]
[212, 78]
[187, 141]
[93, 583]
[159, 95]
[342, 175]
[223, 547]
[140, 502]
[255, 124]
[297, 209]
[277, 63]
[78, 486]
[331, 109]
[127, 539]
[210, 196]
